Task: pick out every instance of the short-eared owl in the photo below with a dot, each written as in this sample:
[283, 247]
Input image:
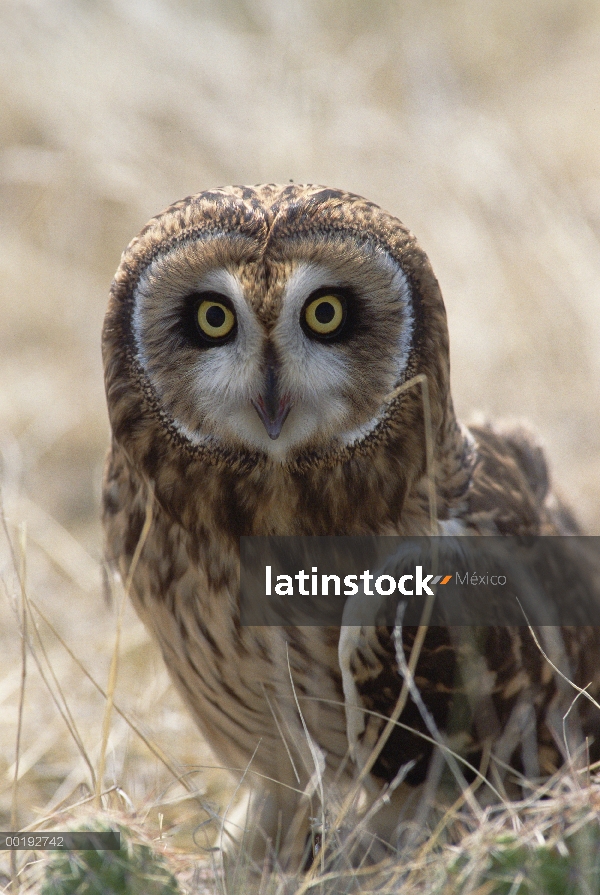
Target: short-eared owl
[253, 347]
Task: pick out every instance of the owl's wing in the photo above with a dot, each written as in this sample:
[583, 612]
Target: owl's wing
[487, 697]
[495, 690]
[372, 682]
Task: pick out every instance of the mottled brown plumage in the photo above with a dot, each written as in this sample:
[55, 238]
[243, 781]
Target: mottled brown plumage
[327, 452]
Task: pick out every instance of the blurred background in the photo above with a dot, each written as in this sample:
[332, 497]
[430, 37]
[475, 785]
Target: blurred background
[477, 124]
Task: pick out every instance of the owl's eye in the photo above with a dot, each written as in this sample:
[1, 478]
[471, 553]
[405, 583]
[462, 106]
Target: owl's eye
[215, 319]
[324, 315]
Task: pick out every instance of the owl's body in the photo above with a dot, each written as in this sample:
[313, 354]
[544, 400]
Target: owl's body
[254, 346]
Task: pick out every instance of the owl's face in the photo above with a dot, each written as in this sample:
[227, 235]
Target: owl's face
[269, 320]
[275, 351]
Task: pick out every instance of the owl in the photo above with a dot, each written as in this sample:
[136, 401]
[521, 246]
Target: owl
[265, 352]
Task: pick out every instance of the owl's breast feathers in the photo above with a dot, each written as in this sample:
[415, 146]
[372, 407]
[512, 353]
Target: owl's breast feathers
[519, 702]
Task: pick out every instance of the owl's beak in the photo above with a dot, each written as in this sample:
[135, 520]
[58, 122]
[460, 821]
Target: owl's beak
[272, 409]
[272, 417]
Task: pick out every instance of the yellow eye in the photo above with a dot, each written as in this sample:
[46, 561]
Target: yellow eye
[214, 319]
[324, 315]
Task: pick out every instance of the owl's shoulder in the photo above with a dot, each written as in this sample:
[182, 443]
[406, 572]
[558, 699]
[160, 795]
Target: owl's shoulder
[124, 500]
[510, 486]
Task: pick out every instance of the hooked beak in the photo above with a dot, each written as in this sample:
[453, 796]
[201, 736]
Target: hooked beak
[272, 409]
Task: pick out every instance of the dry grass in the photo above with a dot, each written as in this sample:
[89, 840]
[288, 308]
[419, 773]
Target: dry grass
[477, 124]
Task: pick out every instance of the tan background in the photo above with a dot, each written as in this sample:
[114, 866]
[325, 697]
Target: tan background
[476, 123]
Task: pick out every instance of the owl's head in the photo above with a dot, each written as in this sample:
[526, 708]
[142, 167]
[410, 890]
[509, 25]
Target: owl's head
[271, 322]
